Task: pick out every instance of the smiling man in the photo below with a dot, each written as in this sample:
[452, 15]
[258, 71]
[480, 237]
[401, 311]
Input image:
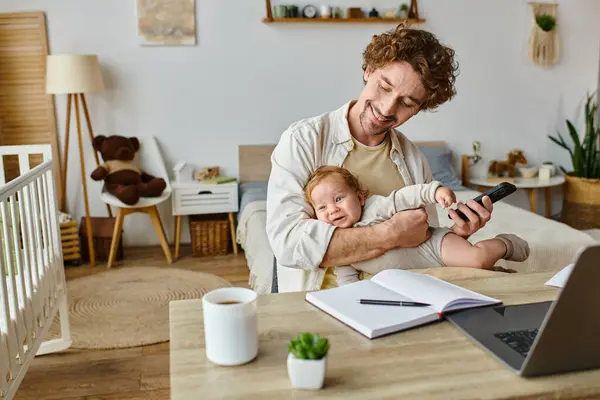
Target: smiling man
[405, 71]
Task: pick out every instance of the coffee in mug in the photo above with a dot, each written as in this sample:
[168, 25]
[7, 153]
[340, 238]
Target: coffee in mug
[230, 330]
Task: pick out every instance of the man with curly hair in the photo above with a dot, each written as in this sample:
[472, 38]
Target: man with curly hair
[405, 71]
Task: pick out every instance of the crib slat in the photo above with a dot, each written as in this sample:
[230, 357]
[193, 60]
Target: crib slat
[11, 282]
[52, 223]
[28, 245]
[46, 272]
[23, 163]
[2, 176]
[43, 214]
[42, 292]
[57, 243]
[16, 226]
[8, 320]
[4, 363]
[50, 266]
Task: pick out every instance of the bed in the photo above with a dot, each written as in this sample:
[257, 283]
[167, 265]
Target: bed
[32, 284]
[553, 244]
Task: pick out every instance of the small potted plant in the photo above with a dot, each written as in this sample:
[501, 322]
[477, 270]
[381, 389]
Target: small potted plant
[550, 165]
[546, 22]
[403, 11]
[307, 360]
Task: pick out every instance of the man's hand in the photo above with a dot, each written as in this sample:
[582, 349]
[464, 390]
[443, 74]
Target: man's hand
[477, 219]
[406, 229]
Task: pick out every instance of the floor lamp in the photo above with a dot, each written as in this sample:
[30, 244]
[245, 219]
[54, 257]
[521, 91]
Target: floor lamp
[75, 75]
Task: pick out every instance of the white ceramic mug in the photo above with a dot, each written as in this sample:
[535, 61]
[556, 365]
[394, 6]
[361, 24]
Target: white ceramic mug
[230, 331]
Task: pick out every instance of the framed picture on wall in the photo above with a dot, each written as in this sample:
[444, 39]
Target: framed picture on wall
[166, 22]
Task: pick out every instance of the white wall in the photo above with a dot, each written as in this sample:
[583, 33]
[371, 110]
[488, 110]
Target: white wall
[245, 81]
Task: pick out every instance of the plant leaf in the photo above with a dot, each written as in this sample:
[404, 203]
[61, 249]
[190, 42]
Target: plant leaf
[589, 140]
[564, 146]
[578, 150]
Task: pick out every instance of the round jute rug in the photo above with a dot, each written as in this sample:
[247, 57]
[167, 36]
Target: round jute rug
[129, 307]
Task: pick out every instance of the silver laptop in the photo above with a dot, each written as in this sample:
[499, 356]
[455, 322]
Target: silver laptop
[548, 337]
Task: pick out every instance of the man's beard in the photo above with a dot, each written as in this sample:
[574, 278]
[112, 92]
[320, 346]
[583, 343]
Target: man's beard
[366, 125]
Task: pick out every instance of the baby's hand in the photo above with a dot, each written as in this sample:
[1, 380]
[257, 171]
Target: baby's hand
[445, 196]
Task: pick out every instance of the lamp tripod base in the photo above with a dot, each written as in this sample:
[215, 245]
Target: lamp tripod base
[74, 98]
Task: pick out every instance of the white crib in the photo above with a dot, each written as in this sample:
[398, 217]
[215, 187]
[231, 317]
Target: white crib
[33, 287]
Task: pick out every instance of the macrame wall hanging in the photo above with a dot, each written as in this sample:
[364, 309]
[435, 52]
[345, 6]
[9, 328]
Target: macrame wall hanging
[543, 40]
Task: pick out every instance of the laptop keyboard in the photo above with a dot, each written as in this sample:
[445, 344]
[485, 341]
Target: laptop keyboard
[520, 341]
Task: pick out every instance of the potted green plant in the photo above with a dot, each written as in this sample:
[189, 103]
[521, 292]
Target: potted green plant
[307, 360]
[546, 22]
[550, 165]
[581, 206]
[403, 11]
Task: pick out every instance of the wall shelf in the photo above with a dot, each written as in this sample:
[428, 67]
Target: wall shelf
[413, 13]
[365, 20]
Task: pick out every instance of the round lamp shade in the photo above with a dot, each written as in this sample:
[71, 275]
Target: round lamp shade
[73, 73]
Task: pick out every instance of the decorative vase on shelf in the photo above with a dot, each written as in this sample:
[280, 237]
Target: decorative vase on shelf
[403, 11]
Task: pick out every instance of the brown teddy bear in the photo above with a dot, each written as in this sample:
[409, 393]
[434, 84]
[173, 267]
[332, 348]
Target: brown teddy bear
[121, 177]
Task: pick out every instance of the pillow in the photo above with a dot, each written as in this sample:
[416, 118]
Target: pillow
[249, 192]
[440, 162]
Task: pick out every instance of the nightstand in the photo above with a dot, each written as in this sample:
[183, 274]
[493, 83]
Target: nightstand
[530, 185]
[202, 198]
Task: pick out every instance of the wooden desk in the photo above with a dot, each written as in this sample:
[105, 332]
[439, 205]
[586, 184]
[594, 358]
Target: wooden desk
[433, 362]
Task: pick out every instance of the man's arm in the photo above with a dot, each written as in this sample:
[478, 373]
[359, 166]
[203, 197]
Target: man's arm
[353, 245]
[297, 239]
[300, 241]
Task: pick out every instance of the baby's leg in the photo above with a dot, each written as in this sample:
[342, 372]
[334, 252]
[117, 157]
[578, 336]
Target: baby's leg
[345, 275]
[459, 252]
[426, 255]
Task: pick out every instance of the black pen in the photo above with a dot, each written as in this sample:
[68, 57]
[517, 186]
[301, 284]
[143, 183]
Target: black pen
[393, 303]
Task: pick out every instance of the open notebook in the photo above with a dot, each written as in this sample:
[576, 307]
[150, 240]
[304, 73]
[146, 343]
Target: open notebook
[395, 284]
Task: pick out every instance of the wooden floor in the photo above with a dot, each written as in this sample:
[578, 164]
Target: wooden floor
[136, 373]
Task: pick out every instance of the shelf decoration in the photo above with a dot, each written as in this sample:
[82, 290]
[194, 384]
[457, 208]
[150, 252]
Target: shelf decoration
[282, 14]
[543, 39]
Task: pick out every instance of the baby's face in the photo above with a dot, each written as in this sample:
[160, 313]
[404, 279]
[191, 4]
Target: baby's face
[337, 203]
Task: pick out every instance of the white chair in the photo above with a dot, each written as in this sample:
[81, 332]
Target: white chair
[151, 162]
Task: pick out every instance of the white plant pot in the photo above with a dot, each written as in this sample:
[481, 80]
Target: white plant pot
[306, 374]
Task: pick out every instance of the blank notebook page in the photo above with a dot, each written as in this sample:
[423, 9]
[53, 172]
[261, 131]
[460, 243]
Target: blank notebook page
[371, 320]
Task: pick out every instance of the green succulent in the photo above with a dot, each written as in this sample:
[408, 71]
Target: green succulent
[546, 21]
[309, 346]
[404, 7]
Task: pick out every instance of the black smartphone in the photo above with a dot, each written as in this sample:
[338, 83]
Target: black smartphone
[496, 193]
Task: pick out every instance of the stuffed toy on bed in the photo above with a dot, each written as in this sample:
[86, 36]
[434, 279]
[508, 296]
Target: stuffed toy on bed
[122, 178]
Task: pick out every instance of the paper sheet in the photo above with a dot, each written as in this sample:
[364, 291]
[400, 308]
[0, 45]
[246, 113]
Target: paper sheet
[561, 276]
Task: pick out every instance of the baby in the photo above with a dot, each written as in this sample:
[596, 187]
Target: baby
[338, 198]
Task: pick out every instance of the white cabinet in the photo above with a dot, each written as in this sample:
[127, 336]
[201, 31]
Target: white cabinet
[201, 198]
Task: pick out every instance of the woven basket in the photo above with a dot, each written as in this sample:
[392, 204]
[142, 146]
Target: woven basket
[210, 235]
[70, 242]
[581, 206]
